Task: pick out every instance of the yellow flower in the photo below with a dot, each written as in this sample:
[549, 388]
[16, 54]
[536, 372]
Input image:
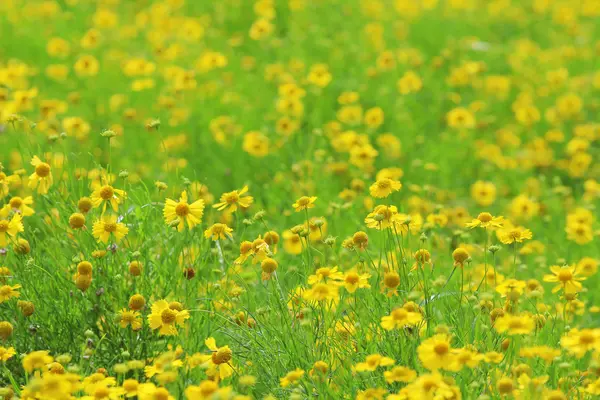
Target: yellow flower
[384, 187]
[510, 234]
[325, 274]
[181, 212]
[304, 203]
[352, 280]
[36, 360]
[130, 318]
[42, 177]
[6, 353]
[7, 292]
[322, 292]
[105, 195]
[10, 228]
[485, 220]
[18, 205]
[579, 342]
[108, 225]
[291, 377]
[515, 324]
[165, 318]
[218, 231]
[436, 353]
[382, 217]
[218, 364]
[400, 374]
[231, 200]
[400, 318]
[566, 277]
[372, 362]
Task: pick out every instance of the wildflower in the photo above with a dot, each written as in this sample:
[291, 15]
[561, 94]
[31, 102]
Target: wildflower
[322, 292]
[10, 229]
[230, 201]
[291, 378]
[400, 374]
[218, 364]
[509, 235]
[130, 318]
[77, 221]
[484, 193]
[106, 195]
[384, 187]
[36, 360]
[6, 330]
[6, 353]
[400, 318]
[567, 277]
[137, 302]
[325, 274]
[391, 281]
[579, 342]
[27, 308]
[218, 231]
[515, 324]
[108, 226]
[182, 213]
[436, 353]
[268, 266]
[165, 319]
[352, 280]
[7, 292]
[42, 177]
[485, 220]
[381, 217]
[19, 205]
[460, 256]
[304, 203]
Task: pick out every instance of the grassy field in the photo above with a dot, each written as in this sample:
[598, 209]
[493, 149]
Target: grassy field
[299, 199]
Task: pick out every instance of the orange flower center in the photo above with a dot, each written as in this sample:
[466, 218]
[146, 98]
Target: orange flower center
[182, 210]
[484, 217]
[352, 278]
[168, 316]
[107, 192]
[441, 349]
[565, 275]
[110, 227]
[42, 170]
[222, 355]
[16, 202]
[3, 226]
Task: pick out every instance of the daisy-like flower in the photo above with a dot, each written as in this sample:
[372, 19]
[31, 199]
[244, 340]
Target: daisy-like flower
[381, 217]
[18, 205]
[42, 176]
[36, 360]
[166, 318]
[384, 187]
[325, 274]
[105, 195]
[108, 226]
[304, 203]
[510, 234]
[400, 318]
[182, 213]
[218, 364]
[230, 201]
[400, 374]
[130, 318]
[7, 353]
[291, 377]
[567, 279]
[372, 362]
[7, 292]
[485, 220]
[10, 228]
[218, 231]
[515, 324]
[436, 352]
[322, 292]
[352, 281]
[579, 342]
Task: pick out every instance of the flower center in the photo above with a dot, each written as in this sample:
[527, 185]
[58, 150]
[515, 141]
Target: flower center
[168, 316]
[5, 290]
[399, 314]
[222, 355]
[586, 338]
[42, 170]
[3, 226]
[441, 349]
[303, 201]
[484, 217]
[182, 210]
[383, 184]
[16, 202]
[232, 197]
[107, 192]
[565, 275]
[352, 278]
[110, 227]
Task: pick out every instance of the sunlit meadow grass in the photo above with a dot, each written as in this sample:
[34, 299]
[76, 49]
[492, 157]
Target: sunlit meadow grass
[333, 199]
